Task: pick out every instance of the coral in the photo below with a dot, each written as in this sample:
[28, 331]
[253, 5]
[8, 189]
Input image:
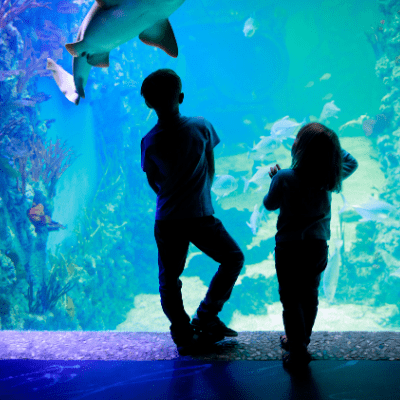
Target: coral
[31, 65]
[7, 274]
[10, 10]
[49, 162]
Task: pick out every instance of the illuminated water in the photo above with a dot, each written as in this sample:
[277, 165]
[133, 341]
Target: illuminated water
[244, 65]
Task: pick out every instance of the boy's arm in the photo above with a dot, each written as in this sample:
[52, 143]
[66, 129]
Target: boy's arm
[211, 164]
[151, 173]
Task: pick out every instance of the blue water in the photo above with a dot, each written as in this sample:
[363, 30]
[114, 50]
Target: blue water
[244, 66]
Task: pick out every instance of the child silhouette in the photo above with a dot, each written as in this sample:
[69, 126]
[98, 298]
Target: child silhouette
[303, 194]
[177, 156]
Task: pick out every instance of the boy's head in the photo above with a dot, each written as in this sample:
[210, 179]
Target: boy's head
[161, 90]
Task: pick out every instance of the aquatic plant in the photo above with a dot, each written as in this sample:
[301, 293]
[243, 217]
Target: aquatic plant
[10, 10]
[49, 293]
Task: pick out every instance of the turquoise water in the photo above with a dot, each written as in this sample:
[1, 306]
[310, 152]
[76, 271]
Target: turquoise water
[89, 260]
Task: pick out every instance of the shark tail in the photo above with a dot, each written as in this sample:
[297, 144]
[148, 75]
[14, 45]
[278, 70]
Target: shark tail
[64, 80]
[51, 65]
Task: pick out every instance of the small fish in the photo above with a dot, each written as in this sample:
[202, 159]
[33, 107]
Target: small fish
[309, 84]
[38, 218]
[260, 178]
[65, 7]
[396, 273]
[40, 97]
[6, 74]
[331, 273]
[375, 126]
[25, 103]
[374, 210]
[224, 185]
[347, 213]
[266, 145]
[255, 219]
[354, 122]
[328, 96]
[329, 110]
[325, 77]
[250, 27]
[284, 128]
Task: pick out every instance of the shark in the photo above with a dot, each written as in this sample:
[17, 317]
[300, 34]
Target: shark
[107, 25]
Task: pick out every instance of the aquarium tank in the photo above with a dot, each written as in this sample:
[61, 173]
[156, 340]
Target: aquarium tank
[77, 249]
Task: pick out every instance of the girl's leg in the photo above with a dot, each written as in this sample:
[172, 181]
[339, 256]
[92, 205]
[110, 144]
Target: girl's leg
[299, 265]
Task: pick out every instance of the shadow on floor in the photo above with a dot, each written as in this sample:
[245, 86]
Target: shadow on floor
[197, 380]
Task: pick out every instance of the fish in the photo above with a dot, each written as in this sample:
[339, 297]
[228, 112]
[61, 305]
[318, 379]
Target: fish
[40, 97]
[354, 122]
[24, 103]
[374, 210]
[265, 146]
[328, 96]
[250, 27]
[64, 80]
[107, 25]
[325, 77]
[375, 126]
[37, 216]
[260, 178]
[7, 74]
[309, 84]
[347, 212]
[224, 185]
[396, 273]
[330, 110]
[331, 273]
[65, 7]
[284, 128]
[255, 219]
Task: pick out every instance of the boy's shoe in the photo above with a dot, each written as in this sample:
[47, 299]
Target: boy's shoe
[197, 344]
[214, 326]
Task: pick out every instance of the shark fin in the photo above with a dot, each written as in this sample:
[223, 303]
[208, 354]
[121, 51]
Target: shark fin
[161, 35]
[74, 48]
[101, 60]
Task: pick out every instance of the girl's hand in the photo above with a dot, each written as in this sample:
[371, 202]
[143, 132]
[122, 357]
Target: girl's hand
[274, 170]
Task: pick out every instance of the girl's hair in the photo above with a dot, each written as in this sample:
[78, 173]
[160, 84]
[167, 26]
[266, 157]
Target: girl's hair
[161, 88]
[317, 157]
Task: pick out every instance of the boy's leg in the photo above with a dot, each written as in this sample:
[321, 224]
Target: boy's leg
[172, 252]
[210, 236]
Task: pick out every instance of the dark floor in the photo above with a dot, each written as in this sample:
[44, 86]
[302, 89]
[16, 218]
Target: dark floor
[197, 380]
[67, 365]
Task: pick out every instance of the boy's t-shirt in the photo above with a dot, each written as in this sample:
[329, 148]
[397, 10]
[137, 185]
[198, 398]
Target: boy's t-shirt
[305, 212]
[174, 153]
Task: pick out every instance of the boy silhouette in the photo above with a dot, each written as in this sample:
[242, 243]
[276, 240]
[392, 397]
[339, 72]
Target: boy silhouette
[178, 159]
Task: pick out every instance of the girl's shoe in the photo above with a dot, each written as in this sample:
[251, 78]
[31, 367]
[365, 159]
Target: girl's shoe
[296, 363]
[284, 342]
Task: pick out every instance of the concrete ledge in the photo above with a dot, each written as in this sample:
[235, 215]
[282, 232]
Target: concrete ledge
[152, 346]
